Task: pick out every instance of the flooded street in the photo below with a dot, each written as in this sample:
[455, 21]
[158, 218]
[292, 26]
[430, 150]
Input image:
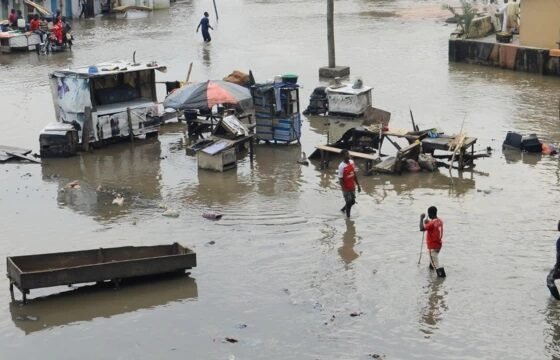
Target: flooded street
[284, 261]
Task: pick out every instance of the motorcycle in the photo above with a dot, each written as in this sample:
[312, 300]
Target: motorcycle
[51, 43]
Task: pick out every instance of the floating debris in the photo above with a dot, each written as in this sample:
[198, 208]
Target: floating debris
[119, 200]
[303, 160]
[26, 318]
[170, 213]
[212, 216]
[211, 242]
[73, 185]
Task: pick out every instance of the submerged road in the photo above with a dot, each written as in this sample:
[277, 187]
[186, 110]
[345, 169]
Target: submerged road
[286, 269]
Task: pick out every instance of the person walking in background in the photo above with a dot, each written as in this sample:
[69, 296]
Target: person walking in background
[205, 25]
[348, 181]
[552, 280]
[83, 4]
[434, 238]
[492, 10]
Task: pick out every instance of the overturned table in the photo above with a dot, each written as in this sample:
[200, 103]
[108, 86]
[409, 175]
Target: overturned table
[450, 144]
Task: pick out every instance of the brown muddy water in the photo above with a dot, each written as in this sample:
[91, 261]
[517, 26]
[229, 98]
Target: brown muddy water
[285, 263]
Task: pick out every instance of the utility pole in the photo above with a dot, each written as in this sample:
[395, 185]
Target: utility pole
[332, 71]
[330, 32]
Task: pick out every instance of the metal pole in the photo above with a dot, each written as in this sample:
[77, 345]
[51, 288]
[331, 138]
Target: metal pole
[215, 9]
[421, 247]
[330, 32]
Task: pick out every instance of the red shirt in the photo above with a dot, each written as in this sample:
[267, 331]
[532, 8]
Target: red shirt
[346, 172]
[434, 236]
[12, 18]
[57, 31]
[34, 25]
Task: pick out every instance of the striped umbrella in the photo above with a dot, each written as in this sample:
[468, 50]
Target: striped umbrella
[205, 95]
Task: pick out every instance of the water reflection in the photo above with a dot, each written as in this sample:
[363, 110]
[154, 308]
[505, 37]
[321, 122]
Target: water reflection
[552, 329]
[130, 169]
[92, 301]
[217, 188]
[436, 305]
[514, 156]
[349, 240]
[278, 170]
[438, 180]
[206, 53]
[381, 186]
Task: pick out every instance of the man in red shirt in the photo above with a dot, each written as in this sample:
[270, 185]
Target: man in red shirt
[12, 18]
[34, 23]
[434, 238]
[348, 181]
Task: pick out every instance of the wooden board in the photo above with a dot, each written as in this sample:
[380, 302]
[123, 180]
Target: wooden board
[24, 157]
[9, 152]
[352, 153]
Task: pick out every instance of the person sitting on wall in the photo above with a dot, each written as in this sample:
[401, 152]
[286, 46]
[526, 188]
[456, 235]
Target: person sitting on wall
[19, 16]
[12, 18]
[43, 25]
[35, 26]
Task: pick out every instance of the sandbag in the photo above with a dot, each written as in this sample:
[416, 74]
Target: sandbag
[427, 162]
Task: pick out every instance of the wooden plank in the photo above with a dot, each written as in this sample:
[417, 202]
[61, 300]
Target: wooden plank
[88, 126]
[386, 166]
[5, 157]
[24, 157]
[407, 149]
[14, 150]
[352, 153]
[129, 119]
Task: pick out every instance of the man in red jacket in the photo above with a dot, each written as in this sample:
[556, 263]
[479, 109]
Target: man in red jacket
[434, 238]
[348, 181]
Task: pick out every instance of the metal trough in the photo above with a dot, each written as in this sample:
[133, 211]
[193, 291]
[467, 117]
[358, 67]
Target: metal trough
[66, 268]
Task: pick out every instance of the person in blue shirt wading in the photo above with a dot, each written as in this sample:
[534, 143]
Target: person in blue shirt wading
[205, 24]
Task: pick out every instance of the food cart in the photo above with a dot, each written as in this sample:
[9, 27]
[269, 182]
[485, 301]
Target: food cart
[109, 101]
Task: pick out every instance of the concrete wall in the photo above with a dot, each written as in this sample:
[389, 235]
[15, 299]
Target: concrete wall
[161, 4]
[506, 56]
[154, 4]
[540, 23]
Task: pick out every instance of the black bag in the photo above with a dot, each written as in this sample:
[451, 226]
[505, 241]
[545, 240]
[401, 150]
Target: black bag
[512, 141]
[531, 143]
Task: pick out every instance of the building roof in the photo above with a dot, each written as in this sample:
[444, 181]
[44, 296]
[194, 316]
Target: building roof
[108, 68]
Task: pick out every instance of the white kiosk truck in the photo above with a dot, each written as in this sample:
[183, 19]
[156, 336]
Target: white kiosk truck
[107, 102]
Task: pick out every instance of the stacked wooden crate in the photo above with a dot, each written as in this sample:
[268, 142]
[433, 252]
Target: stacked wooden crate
[277, 122]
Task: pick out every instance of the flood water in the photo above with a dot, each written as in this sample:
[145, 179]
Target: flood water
[285, 262]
